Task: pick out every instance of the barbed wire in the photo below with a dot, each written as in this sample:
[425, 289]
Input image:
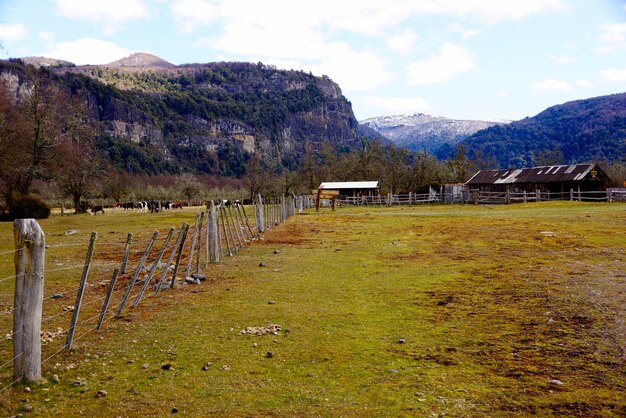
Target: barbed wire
[2, 366]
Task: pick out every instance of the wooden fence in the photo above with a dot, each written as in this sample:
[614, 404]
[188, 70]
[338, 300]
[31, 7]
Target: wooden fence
[136, 267]
[480, 197]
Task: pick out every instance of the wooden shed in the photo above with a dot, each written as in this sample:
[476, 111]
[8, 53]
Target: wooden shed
[351, 188]
[553, 179]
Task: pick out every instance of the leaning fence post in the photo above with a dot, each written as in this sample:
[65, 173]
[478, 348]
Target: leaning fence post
[28, 303]
[107, 299]
[136, 274]
[129, 241]
[81, 291]
[243, 209]
[155, 265]
[221, 209]
[169, 260]
[180, 254]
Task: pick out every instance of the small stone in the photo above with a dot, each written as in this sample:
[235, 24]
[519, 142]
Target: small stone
[393, 371]
[421, 399]
[276, 252]
[55, 378]
[190, 280]
[254, 345]
[71, 232]
[27, 389]
[555, 382]
[225, 367]
[262, 264]
[199, 276]
[101, 393]
[57, 296]
[271, 302]
[174, 410]
[27, 408]
[145, 366]
[79, 382]
[167, 366]
[206, 366]
[401, 341]
[269, 354]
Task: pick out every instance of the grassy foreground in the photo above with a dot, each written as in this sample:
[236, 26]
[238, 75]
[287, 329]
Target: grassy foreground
[424, 311]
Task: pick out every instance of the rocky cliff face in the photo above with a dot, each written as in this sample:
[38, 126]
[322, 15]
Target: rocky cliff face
[209, 112]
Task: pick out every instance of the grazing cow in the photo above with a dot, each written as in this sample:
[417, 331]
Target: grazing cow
[125, 205]
[96, 209]
[155, 206]
[178, 205]
[141, 206]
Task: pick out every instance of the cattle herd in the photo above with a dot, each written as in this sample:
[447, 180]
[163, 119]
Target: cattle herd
[157, 206]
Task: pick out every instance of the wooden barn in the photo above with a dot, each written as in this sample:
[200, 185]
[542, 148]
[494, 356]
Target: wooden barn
[351, 188]
[551, 179]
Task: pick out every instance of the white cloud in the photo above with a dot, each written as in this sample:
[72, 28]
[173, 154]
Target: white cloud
[561, 59]
[614, 75]
[551, 84]
[352, 70]
[46, 37]
[112, 14]
[87, 51]
[191, 13]
[12, 31]
[584, 83]
[465, 33]
[402, 105]
[612, 38]
[403, 43]
[449, 62]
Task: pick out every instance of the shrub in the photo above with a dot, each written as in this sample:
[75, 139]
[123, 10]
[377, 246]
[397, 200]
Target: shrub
[28, 206]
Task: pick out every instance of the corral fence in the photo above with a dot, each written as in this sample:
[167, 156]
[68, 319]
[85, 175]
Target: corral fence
[482, 197]
[116, 275]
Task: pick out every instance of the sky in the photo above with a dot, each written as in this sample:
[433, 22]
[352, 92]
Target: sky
[463, 59]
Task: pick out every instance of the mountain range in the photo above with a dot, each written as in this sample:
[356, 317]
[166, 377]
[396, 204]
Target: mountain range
[159, 118]
[436, 135]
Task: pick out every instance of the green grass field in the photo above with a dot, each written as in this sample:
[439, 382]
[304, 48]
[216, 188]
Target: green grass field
[422, 311]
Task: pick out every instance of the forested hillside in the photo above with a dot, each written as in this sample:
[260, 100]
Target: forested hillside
[574, 132]
[203, 118]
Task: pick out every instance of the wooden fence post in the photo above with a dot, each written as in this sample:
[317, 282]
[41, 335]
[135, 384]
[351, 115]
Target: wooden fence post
[221, 216]
[198, 254]
[107, 299]
[136, 274]
[129, 241]
[194, 238]
[28, 303]
[207, 247]
[213, 228]
[181, 247]
[155, 265]
[81, 291]
[243, 209]
[260, 225]
[171, 258]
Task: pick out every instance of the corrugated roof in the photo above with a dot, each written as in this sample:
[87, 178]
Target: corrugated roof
[341, 185]
[544, 174]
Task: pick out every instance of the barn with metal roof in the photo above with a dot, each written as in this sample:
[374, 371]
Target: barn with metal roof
[553, 179]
